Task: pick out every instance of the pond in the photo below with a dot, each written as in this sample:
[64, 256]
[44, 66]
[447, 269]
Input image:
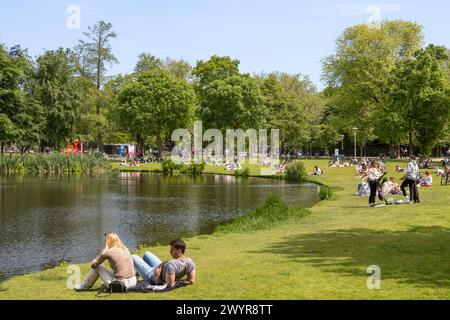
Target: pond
[47, 220]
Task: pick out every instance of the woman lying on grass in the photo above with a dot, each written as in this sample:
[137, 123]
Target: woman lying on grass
[119, 259]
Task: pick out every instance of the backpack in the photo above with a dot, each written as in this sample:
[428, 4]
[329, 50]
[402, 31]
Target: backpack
[116, 287]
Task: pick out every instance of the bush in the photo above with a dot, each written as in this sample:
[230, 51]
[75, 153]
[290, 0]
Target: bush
[242, 172]
[326, 193]
[296, 172]
[196, 169]
[272, 213]
[168, 166]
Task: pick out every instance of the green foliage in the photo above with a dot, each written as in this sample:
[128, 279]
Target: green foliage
[296, 172]
[272, 213]
[216, 68]
[95, 53]
[242, 172]
[285, 98]
[235, 102]
[147, 62]
[155, 103]
[59, 92]
[52, 163]
[326, 193]
[358, 74]
[195, 169]
[421, 99]
[169, 167]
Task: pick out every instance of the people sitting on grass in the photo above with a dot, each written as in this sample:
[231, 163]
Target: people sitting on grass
[317, 172]
[156, 272]
[426, 181]
[123, 163]
[120, 261]
[391, 188]
[363, 189]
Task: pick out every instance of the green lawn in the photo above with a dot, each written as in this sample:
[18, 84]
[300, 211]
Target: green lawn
[325, 255]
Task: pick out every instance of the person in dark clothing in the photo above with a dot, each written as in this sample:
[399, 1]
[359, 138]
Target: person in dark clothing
[410, 179]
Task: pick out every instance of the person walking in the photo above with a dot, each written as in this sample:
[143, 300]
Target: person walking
[374, 174]
[410, 179]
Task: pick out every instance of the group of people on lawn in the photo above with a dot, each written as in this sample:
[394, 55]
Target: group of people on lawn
[374, 172]
[126, 268]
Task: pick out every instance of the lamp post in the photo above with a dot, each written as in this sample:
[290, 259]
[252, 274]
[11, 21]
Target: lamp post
[342, 148]
[354, 133]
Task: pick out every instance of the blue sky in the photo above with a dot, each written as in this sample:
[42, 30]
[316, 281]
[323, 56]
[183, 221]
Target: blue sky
[265, 35]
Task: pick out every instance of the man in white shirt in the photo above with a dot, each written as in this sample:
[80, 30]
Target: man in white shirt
[411, 178]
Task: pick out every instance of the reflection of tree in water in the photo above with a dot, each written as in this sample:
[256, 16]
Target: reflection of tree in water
[420, 256]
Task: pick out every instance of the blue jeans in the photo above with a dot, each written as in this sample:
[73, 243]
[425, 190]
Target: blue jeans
[146, 267]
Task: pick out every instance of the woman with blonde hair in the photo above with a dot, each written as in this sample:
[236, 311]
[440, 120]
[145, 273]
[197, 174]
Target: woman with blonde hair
[119, 259]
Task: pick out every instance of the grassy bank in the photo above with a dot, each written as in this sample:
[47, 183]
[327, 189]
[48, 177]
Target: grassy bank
[322, 255]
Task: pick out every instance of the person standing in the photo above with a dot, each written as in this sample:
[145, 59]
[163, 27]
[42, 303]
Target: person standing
[374, 174]
[410, 179]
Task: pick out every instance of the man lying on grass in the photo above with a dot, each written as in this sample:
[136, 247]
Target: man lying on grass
[167, 273]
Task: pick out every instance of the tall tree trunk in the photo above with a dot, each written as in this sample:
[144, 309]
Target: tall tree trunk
[100, 141]
[1, 147]
[159, 141]
[411, 147]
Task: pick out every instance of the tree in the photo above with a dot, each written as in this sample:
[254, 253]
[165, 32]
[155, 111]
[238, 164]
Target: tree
[358, 73]
[216, 68]
[94, 56]
[284, 111]
[57, 90]
[421, 97]
[155, 103]
[148, 62]
[179, 68]
[233, 103]
[8, 130]
[19, 119]
[227, 99]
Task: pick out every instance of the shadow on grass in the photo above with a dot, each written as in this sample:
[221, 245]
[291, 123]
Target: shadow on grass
[420, 256]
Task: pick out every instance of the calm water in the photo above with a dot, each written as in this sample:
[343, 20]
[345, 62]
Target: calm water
[44, 221]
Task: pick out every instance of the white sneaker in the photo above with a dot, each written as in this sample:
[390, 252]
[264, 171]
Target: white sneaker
[79, 287]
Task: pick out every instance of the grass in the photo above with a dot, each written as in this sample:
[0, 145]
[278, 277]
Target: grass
[250, 169]
[272, 213]
[323, 255]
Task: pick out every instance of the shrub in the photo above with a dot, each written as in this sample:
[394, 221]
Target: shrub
[326, 193]
[242, 172]
[197, 169]
[168, 166]
[296, 172]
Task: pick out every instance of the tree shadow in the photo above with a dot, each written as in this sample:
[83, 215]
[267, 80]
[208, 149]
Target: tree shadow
[419, 256]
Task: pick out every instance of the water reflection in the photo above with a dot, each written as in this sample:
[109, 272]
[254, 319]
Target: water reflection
[45, 220]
